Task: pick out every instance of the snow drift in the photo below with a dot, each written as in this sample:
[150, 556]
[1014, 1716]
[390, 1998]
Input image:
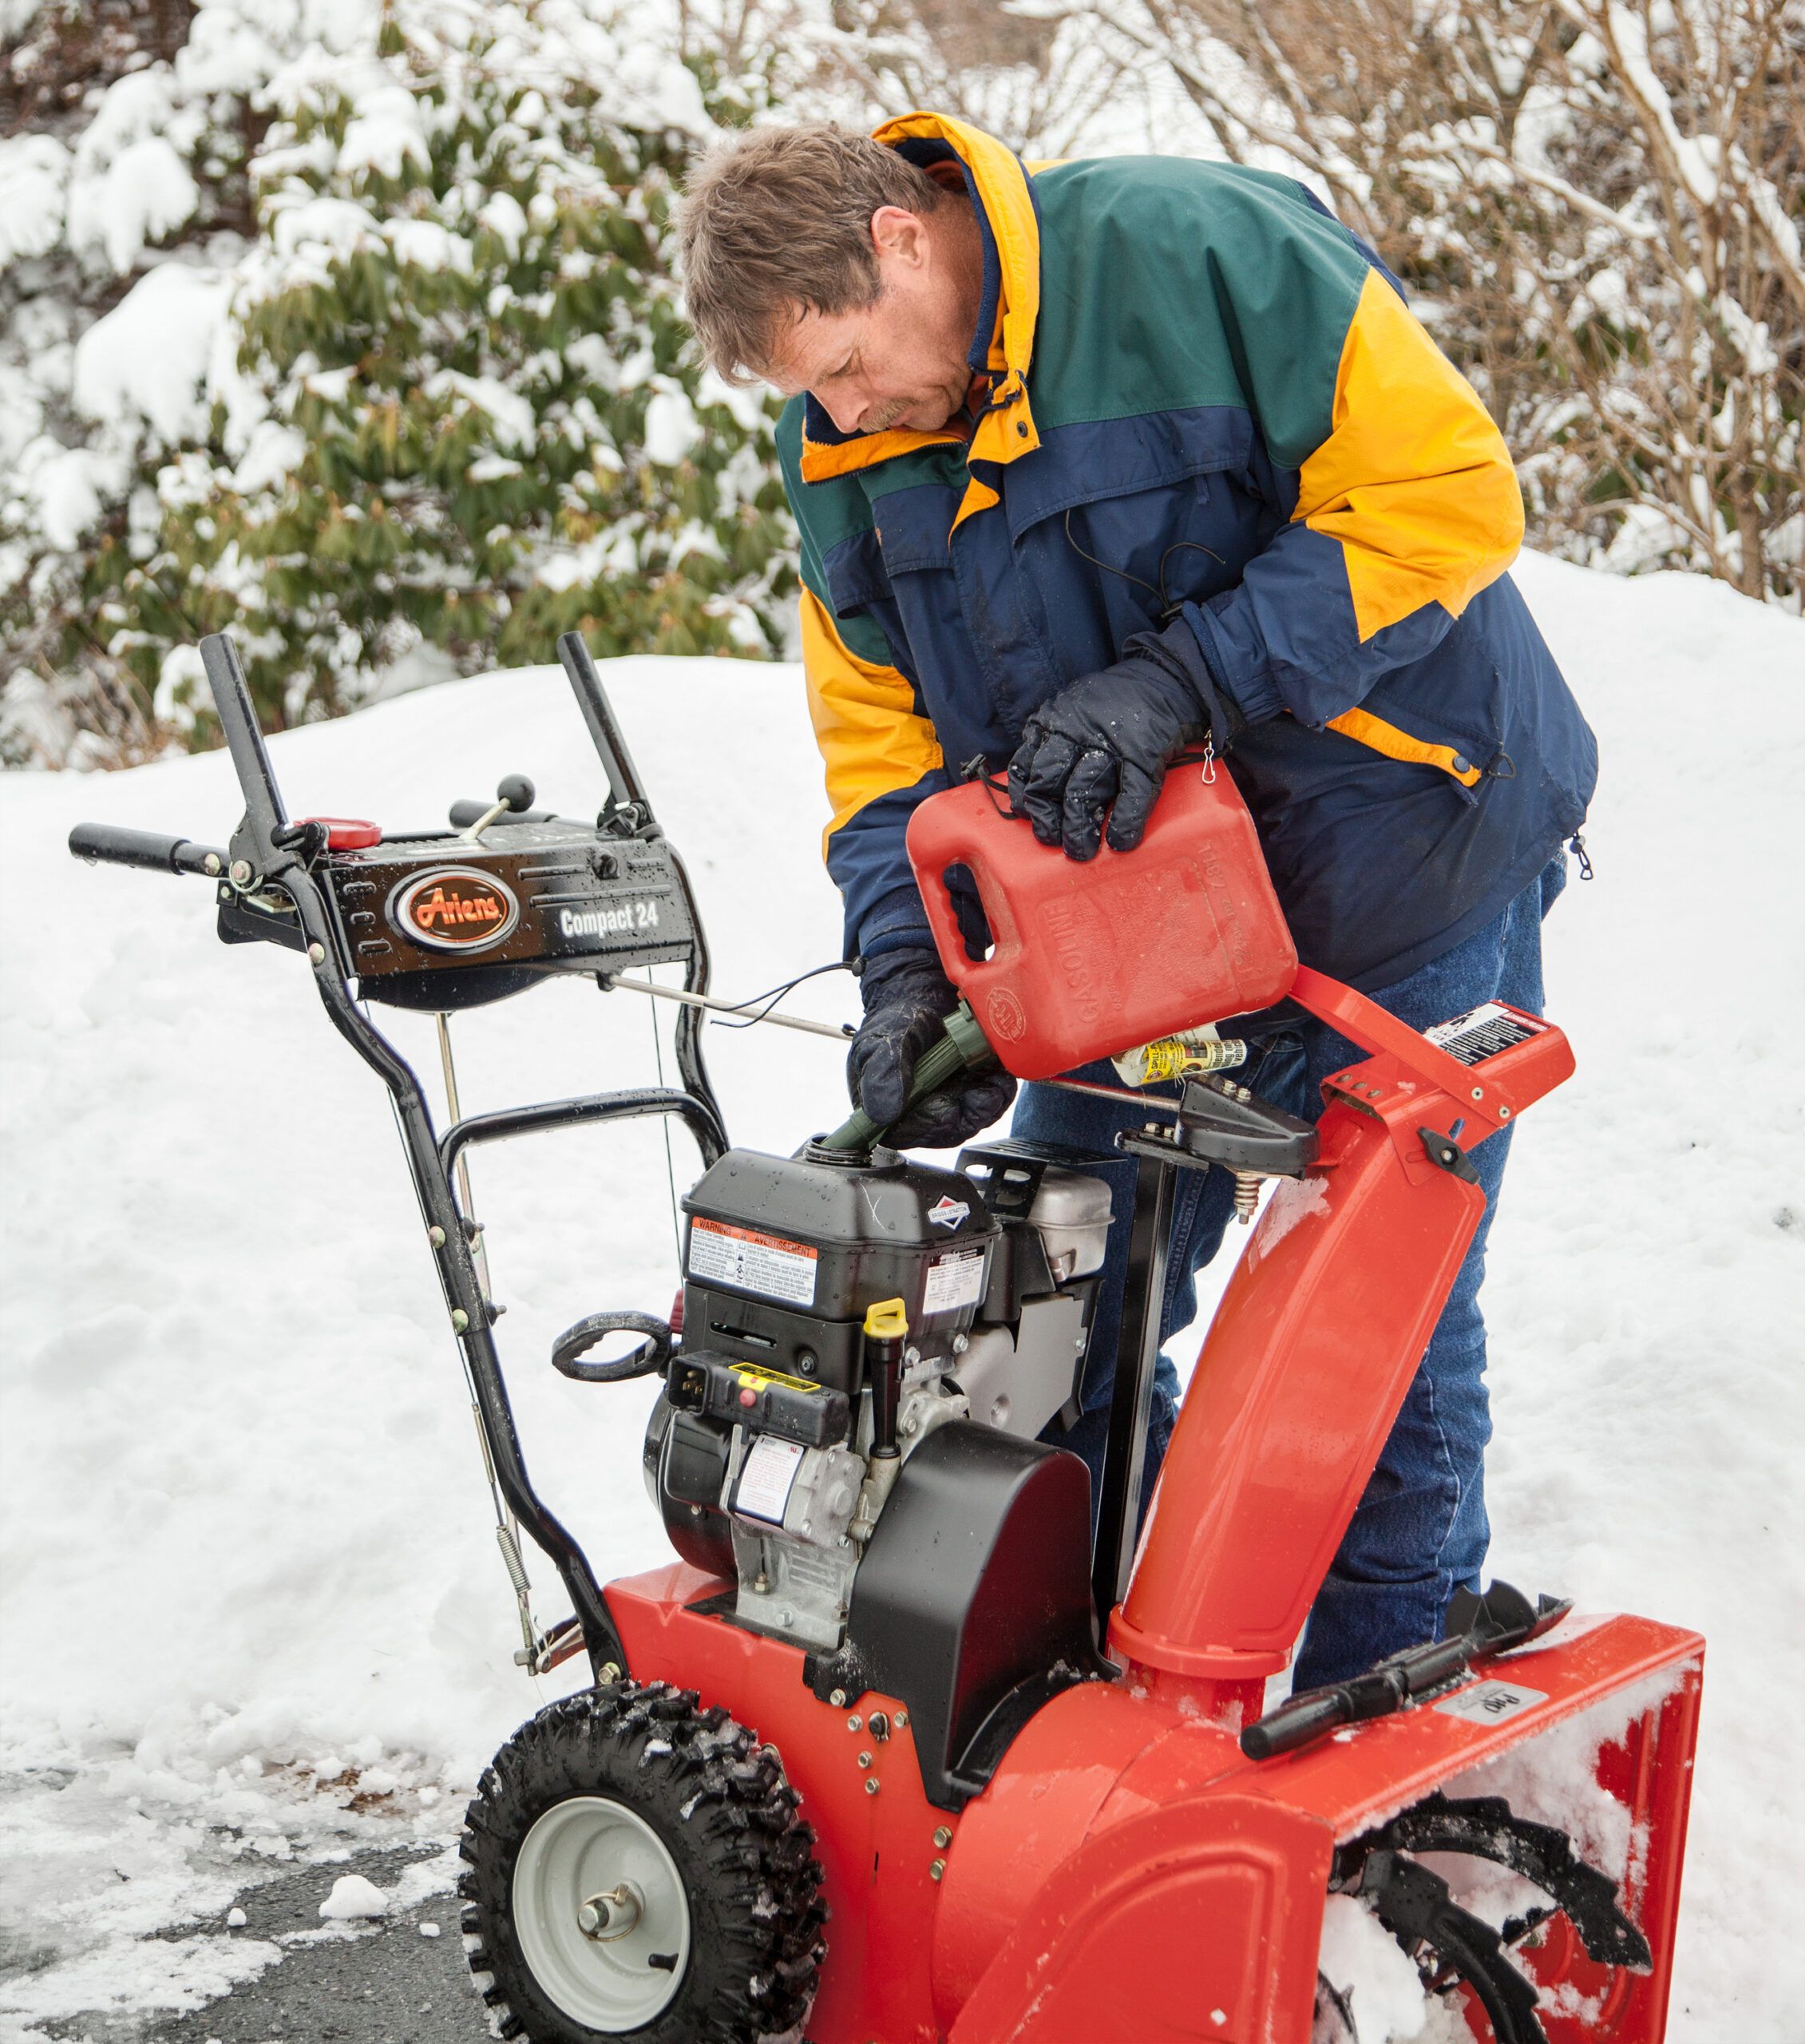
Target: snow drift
[249, 1573]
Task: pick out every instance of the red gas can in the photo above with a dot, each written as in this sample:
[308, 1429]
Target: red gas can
[1091, 959]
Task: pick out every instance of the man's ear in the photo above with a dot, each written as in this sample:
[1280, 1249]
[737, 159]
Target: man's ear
[898, 236]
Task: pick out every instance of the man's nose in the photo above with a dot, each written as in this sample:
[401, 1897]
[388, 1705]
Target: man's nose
[846, 411]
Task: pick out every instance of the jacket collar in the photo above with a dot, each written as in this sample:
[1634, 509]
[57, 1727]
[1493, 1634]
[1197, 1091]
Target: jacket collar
[1003, 344]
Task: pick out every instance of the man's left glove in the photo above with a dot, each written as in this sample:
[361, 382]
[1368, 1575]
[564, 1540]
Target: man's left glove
[1100, 746]
[907, 998]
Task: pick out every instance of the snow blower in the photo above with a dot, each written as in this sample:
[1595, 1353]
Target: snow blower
[906, 1742]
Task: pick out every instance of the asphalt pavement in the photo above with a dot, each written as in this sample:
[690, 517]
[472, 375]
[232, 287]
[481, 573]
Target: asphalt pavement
[387, 1981]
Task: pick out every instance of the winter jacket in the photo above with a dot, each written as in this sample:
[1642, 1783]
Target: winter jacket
[1207, 401]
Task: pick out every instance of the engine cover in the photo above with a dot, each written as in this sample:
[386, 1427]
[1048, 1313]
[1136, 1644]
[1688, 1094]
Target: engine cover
[972, 1603]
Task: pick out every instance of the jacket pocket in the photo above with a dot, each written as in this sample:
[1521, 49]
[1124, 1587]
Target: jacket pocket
[1381, 735]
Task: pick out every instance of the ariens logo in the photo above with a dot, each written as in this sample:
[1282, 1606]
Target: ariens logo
[453, 908]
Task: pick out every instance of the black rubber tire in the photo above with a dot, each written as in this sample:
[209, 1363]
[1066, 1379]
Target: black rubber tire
[720, 1803]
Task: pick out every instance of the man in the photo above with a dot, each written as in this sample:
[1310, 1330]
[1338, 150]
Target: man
[1102, 460]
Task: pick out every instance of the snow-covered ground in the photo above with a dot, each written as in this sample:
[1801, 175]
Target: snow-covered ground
[248, 1570]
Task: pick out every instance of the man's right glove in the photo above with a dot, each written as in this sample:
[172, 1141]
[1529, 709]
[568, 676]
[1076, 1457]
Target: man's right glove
[1100, 746]
[907, 998]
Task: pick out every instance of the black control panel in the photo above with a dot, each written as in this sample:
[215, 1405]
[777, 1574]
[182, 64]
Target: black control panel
[439, 919]
[551, 893]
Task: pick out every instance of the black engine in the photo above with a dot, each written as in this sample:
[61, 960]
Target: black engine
[760, 1455]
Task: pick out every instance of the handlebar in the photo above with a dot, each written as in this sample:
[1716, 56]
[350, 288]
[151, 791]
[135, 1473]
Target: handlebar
[112, 845]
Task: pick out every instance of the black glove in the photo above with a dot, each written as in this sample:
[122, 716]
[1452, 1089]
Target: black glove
[1105, 740]
[907, 997]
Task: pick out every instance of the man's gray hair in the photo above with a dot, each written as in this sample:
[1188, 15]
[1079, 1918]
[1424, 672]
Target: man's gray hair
[778, 221]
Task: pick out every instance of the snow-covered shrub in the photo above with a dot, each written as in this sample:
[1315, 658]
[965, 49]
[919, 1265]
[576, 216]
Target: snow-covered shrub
[102, 175]
[429, 409]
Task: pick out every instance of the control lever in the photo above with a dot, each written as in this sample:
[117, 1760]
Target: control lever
[468, 808]
[514, 798]
[1477, 1628]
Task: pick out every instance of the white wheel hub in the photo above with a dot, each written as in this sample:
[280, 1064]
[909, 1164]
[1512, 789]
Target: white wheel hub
[600, 1913]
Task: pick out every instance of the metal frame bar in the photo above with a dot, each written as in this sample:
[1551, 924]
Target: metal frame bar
[1124, 1452]
[710, 1139]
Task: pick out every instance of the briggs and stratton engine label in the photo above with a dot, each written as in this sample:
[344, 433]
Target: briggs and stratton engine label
[1482, 1033]
[754, 1263]
[454, 908]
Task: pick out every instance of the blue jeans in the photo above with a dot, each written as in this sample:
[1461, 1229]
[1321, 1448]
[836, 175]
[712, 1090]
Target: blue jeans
[1420, 1531]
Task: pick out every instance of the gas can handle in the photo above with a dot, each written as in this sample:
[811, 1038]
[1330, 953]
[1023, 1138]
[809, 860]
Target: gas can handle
[943, 912]
[941, 836]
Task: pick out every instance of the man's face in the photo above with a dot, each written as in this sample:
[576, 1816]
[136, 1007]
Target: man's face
[901, 360]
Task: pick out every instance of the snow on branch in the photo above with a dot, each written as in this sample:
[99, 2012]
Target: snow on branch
[1596, 207]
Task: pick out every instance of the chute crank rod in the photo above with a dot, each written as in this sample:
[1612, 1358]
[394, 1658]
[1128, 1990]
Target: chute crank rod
[746, 1010]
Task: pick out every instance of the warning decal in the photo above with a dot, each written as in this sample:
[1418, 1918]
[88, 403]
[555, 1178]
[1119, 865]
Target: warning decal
[1482, 1033]
[954, 1281]
[765, 1477]
[754, 1263]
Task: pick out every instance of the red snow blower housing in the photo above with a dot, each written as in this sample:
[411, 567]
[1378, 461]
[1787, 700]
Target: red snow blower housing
[900, 1748]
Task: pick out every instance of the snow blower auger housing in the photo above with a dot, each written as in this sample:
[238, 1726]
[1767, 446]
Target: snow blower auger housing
[899, 1747]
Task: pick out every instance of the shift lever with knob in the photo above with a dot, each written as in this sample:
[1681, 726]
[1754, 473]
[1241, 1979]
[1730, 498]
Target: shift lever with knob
[514, 794]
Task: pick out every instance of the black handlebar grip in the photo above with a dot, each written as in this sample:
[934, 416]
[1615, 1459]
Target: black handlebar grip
[1295, 1724]
[149, 849]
